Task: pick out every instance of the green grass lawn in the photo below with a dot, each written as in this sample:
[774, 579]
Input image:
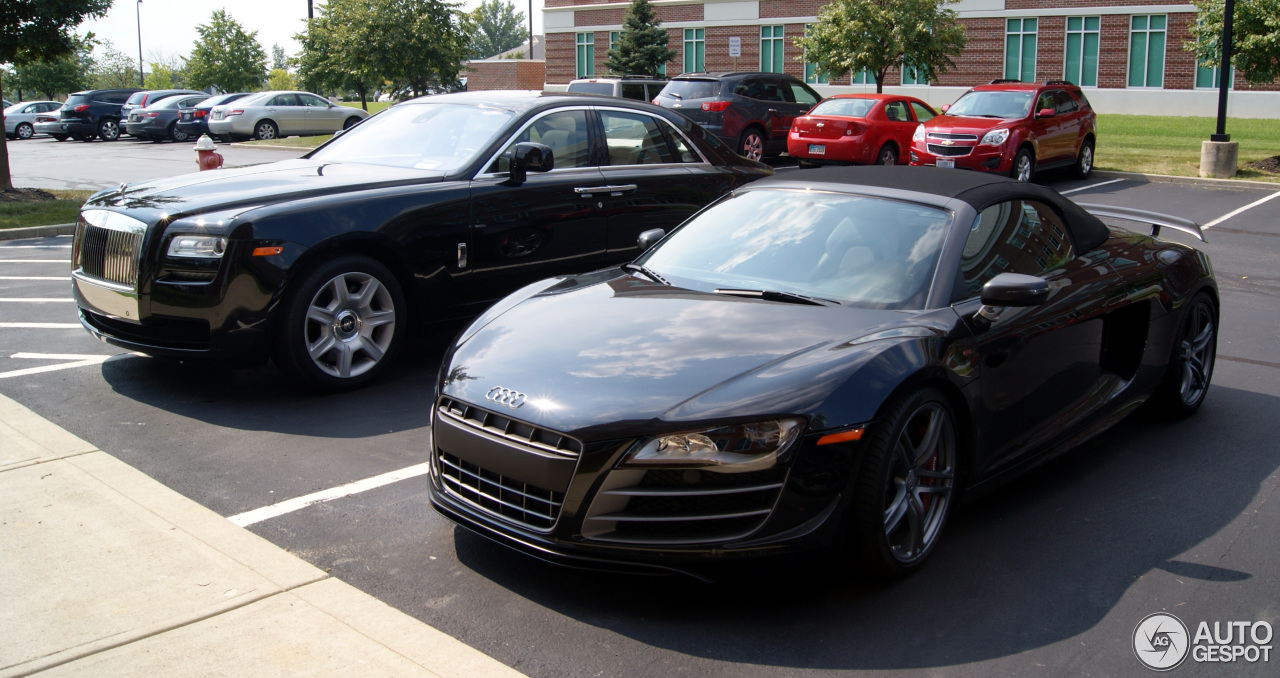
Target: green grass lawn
[1165, 145]
[60, 211]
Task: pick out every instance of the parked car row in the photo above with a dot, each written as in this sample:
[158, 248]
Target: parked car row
[675, 357]
[177, 115]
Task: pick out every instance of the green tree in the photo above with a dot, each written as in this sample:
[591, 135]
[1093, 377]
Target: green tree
[64, 75]
[1255, 44]
[643, 45]
[114, 68]
[160, 77]
[332, 57]
[425, 44]
[279, 60]
[878, 35]
[39, 30]
[280, 79]
[226, 57]
[496, 27]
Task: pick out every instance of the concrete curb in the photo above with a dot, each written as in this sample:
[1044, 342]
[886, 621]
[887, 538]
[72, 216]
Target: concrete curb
[37, 231]
[1192, 181]
[107, 572]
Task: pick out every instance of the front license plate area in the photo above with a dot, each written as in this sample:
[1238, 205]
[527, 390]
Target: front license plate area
[946, 163]
[817, 149]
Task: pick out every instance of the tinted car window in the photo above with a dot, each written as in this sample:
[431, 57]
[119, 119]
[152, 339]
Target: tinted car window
[860, 251]
[896, 111]
[1066, 104]
[922, 114]
[135, 99]
[313, 100]
[850, 108]
[633, 91]
[116, 97]
[564, 131]
[683, 151]
[284, 100]
[431, 136]
[1019, 236]
[75, 100]
[993, 104]
[691, 89]
[1046, 100]
[591, 87]
[634, 139]
[803, 95]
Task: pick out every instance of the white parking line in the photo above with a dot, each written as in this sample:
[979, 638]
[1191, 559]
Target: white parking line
[35, 300]
[1228, 215]
[1085, 188]
[39, 326]
[35, 247]
[34, 277]
[78, 361]
[33, 261]
[290, 505]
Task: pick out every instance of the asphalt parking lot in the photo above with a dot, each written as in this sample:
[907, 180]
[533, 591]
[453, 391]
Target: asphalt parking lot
[1046, 576]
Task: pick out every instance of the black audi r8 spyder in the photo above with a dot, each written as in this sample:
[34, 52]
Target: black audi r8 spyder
[428, 211]
[823, 358]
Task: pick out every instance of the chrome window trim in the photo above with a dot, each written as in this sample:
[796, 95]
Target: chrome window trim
[484, 174]
[688, 142]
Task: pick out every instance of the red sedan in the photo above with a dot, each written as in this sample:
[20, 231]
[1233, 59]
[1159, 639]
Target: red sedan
[863, 129]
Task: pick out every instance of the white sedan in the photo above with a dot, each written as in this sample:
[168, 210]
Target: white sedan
[273, 115]
[20, 119]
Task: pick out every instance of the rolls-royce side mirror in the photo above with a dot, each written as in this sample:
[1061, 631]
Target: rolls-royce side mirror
[530, 157]
[649, 237]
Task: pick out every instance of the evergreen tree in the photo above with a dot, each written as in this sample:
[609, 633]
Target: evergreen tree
[642, 48]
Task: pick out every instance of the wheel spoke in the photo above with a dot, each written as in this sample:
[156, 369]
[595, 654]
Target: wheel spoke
[345, 351]
[915, 525]
[371, 349]
[932, 489]
[893, 515]
[1201, 340]
[321, 346]
[929, 441]
[365, 296]
[938, 475]
[320, 315]
[341, 297]
[378, 318]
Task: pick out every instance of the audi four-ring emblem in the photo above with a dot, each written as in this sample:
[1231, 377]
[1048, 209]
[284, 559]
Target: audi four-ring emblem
[505, 396]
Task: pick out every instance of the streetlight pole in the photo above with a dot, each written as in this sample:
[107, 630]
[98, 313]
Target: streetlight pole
[1225, 73]
[142, 82]
[530, 55]
[311, 11]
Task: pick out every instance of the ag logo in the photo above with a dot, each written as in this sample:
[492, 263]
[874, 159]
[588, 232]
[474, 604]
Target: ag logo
[1161, 641]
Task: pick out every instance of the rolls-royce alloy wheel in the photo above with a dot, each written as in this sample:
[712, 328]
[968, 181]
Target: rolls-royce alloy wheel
[343, 324]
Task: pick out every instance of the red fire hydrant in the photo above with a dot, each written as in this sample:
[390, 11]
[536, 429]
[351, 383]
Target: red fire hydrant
[209, 158]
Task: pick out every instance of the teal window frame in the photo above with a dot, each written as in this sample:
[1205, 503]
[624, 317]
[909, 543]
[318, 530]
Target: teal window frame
[811, 69]
[695, 50]
[1148, 36]
[911, 77]
[772, 49]
[862, 77]
[585, 54]
[1208, 77]
[1020, 48]
[1080, 65]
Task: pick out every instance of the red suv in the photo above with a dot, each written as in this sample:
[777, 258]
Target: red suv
[1011, 127]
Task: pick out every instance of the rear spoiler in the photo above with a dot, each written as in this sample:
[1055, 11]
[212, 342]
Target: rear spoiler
[1154, 218]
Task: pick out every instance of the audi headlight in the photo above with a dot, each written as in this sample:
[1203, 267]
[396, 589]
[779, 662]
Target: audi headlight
[919, 134]
[198, 246]
[731, 449]
[995, 137]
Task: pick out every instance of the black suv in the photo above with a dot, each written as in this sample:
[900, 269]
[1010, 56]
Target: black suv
[752, 112]
[94, 113]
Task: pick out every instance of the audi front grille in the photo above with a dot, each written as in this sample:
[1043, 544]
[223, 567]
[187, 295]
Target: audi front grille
[514, 430]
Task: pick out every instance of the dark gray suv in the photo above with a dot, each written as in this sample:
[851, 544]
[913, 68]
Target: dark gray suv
[752, 112]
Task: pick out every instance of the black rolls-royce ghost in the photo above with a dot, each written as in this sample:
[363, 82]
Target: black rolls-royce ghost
[427, 211]
[824, 357]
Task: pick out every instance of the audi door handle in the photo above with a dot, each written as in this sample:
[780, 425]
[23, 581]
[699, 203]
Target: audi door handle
[611, 190]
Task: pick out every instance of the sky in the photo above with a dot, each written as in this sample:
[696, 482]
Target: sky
[169, 26]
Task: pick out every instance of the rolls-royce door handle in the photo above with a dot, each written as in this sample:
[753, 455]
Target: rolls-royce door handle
[611, 190]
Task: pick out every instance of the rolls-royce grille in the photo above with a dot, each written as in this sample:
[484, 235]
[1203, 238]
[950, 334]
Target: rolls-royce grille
[109, 254]
[518, 502]
[511, 429]
[949, 151]
[685, 506]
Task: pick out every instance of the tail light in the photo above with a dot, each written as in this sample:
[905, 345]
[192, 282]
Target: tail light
[854, 129]
[655, 102]
[199, 113]
[715, 106]
[81, 108]
[237, 111]
[150, 115]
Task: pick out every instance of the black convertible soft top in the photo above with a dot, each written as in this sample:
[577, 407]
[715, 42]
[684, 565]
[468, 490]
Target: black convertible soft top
[978, 189]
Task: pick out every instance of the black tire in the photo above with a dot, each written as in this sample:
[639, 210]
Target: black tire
[350, 122]
[177, 135]
[751, 144]
[902, 497]
[1084, 160]
[1024, 166]
[265, 129]
[84, 137]
[805, 164]
[109, 130]
[59, 137]
[24, 130]
[888, 155]
[1191, 360]
[361, 336]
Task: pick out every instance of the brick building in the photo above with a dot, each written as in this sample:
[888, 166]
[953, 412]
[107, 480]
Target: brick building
[1127, 54]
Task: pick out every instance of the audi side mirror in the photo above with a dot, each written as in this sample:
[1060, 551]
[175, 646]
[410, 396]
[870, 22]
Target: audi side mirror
[1015, 289]
[530, 157]
[1046, 113]
[648, 238]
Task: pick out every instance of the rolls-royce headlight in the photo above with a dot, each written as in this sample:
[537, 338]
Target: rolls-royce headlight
[198, 246]
[732, 449]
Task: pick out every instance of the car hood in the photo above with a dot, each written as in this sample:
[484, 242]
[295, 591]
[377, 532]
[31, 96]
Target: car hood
[258, 185]
[955, 124]
[612, 357]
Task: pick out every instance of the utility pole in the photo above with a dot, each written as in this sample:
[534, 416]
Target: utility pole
[311, 10]
[142, 81]
[530, 55]
[1225, 72]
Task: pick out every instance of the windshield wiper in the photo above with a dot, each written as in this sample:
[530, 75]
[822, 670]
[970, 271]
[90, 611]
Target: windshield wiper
[773, 295]
[648, 272]
[674, 95]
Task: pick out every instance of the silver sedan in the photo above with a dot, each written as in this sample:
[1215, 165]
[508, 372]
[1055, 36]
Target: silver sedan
[272, 115]
[20, 119]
